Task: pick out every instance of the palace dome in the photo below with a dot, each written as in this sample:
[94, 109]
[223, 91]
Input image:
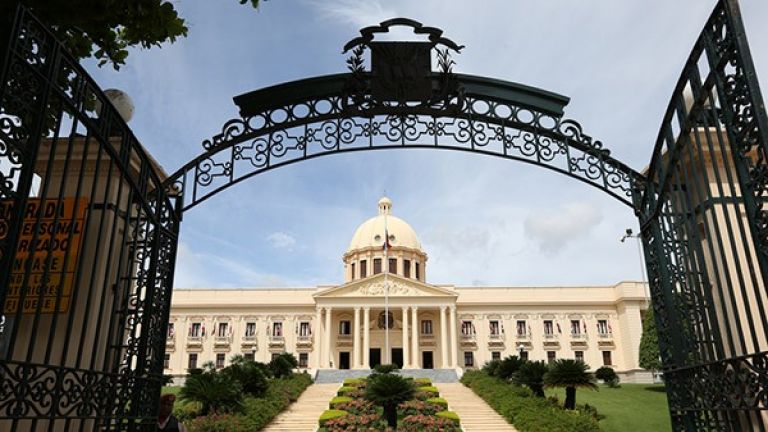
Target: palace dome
[371, 232]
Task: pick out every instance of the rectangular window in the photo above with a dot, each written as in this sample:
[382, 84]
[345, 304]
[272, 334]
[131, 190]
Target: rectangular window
[392, 266]
[250, 329]
[303, 360]
[376, 266]
[167, 361]
[353, 271]
[494, 328]
[551, 357]
[277, 329]
[495, 355]
[426, 327]
[579, 355]
[345, 328]
[575, 327]
[171, 330]
[521, 329]
[192, 364]
[467, 329]
[417, 274]
[549, 329]
[223, 330]
[602, 327]
[275, 355]
[194, 330]
[524, 355]
[305, 329]
[469, 358]
[607, 358]
[220, 361]
[250, 356]
[407, 268]
[363, 269]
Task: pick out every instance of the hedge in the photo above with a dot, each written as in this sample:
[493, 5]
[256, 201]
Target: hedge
[330, 414]
[353, 382]
[526, 412]
[429, 389]
[438, 401]
[344, 390]
[449, 415]
[338, 400]
[423, 381]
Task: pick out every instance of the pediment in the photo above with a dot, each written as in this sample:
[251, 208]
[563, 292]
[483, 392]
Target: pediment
[375, 286]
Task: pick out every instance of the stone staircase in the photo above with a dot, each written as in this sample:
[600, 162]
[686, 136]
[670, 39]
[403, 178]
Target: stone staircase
[303, 414]
[325, 376]
[475, 414]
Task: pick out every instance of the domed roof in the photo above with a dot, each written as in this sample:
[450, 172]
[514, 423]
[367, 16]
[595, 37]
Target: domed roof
[371, 232]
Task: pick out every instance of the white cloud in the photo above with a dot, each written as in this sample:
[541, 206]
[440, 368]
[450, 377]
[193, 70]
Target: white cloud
[355, 12]
[281, 240]
[553, 229]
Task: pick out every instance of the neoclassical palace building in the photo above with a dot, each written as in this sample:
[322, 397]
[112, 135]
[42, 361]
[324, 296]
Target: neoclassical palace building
[387, 312]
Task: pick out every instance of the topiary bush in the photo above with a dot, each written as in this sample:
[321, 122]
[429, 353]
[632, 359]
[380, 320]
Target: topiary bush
[329, 415]
[422, 381]
[439, 401]
[354, 382]
[450, 415]
[608, 376]
[344, 390]
[338, 400]
[433, 391]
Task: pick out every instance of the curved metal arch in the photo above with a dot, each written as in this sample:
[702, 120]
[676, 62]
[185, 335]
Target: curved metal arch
[305, 119]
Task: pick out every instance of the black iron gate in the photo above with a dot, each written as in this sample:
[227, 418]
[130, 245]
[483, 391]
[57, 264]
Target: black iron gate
[705, 232]
[89, 224]
[87, 249]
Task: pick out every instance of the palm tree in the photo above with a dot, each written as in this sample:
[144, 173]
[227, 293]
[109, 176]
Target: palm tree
[388, 391]
[531, 375]
[569, 374]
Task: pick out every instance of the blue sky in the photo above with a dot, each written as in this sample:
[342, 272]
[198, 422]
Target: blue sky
[482, 221]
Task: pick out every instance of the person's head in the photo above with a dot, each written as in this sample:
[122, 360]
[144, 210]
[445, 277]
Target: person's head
[166, 405]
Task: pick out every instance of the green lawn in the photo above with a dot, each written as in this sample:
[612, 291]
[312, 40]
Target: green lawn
[632, 407]
[171, 389]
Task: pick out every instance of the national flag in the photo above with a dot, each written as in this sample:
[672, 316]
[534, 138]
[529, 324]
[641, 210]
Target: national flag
[558, 328]
[585, 327]
[203, 330]
[610, 330]
[386, 246]
[529, 329]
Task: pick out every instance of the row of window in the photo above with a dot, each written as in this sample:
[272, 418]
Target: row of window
[225, 330]
[469, 357]
[392, 268]
[523, 328]
[221, 358]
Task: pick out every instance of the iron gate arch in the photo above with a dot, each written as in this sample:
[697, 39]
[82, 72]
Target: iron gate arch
[704, 225]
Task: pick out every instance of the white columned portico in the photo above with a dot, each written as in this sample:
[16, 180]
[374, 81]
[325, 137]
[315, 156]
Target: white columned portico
[443, 339]
[454, 339]
[406, 358]
[356, 340]
[329, 352]
[319, 336]
[366, 338]
[416, 363]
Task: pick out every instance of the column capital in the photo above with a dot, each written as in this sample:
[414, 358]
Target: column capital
[357, 308]
[328, 308]
[414, 308]
[366, 308]
[443, 308]
[405, 308]
[453, 308]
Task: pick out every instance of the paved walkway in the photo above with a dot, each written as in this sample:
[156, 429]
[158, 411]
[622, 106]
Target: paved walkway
[303, 414]
[475, 414]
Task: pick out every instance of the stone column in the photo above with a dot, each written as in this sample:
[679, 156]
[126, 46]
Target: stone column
[366, 338]
[328, 351]
[356, 340]
[443, 339]
[454, 339]
[319, 337]
[416, 363]
[406, 357]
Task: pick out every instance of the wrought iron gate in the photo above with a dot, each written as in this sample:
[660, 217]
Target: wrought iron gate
[89, 224]
[705, 232]
[87, 249]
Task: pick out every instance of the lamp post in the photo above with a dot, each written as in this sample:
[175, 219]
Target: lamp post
[521, 350]
[629, 234]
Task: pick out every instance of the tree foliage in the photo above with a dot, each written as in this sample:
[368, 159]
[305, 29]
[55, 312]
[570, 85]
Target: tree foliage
[103, 29]
[608, 375]
[649, 344]
[388, 390]
[531, 375]
[249, 374]
[215, 392]
[283, 365]
[508, 367]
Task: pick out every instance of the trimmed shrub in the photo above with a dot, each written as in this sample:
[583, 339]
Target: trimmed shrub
[608, 376]
[422, 381]
[450, 415]
[344, 390]
[329, 415]
[433, 391]
[354, 382]
[338, 400]
[439, 401]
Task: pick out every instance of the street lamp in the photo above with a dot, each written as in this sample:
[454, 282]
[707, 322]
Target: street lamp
[629, 234]
[521, 349]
